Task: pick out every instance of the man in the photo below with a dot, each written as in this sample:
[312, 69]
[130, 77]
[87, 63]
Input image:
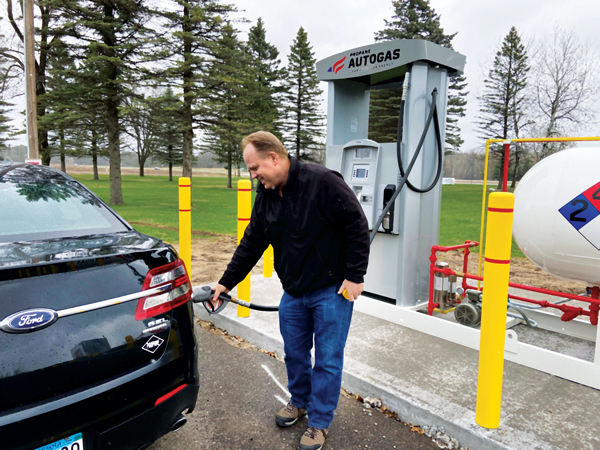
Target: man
[320, 239]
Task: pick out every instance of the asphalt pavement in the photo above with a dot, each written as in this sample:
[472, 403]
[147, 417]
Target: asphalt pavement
[241, 389]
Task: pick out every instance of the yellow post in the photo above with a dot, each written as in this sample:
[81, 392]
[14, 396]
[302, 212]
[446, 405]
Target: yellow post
[495, 297]
[244, 211]
[268, 262]
[185, 223]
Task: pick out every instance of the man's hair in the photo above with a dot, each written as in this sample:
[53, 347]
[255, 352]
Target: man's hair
[264, 143]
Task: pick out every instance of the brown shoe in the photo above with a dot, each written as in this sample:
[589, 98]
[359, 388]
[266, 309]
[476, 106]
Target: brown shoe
[289, 415]
[313, 439]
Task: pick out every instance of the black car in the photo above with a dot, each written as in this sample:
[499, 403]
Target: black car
[97, 342]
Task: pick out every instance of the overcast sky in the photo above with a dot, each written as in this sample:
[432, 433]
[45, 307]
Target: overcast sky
[334, 26]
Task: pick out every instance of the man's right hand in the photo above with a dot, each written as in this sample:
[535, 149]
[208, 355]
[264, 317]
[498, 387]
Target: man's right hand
[216, 301]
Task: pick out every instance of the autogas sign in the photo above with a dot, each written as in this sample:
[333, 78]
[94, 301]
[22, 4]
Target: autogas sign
[384, 56]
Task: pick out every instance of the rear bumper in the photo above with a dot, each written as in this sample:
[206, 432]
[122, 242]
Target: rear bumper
[124, 418]
[140, 431]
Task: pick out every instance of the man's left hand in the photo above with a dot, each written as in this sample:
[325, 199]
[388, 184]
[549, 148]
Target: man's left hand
[354, 289]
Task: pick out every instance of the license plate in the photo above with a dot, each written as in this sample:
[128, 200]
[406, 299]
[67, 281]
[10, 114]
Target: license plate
[74, 442]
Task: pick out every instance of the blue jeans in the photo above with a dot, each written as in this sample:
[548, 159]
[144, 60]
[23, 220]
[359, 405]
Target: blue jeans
[326, 315]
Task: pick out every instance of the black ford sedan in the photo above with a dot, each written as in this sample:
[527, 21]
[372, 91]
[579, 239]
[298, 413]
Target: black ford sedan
[97, 341]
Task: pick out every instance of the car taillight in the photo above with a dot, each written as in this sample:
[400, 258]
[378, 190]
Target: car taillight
[172, 277]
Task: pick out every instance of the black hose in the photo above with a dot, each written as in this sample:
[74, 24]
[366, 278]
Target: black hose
[257, 307]
[404, 179]
[432, 112]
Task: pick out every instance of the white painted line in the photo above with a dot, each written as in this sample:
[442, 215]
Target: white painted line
[283, 402]
[281, 386]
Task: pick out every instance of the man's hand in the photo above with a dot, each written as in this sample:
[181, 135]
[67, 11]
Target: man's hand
[354, 289]
[216, 301]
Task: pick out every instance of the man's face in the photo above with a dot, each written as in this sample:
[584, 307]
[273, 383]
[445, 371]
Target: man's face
[265, 169]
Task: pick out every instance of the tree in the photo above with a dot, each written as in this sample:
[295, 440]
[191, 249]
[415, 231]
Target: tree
[58, 101]
[112, 39]
[167, 110]
[267, 77]
[143, 127]
[193, 25]
[504, 102]
[5, 128]
[7, 74]
[230, 114]
[565, 73]
[303, 124]
[416, 19]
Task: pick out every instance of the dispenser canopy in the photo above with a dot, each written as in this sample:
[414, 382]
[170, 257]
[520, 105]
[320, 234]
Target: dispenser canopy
[386, 62]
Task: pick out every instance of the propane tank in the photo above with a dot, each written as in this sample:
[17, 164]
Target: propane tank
[557, 214]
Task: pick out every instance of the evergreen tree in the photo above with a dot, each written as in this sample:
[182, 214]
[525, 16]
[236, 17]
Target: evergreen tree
[503, 104]
[5, 127]
[89, 134]
[167, 110]
[303, 123]
[267, 77]
[230, 114]
[5, 106]
[415, 19]
[113, 39]
[193, 25]
[58, 101]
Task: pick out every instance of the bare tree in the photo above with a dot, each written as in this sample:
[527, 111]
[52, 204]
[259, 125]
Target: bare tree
[504, 103]
[565, 78]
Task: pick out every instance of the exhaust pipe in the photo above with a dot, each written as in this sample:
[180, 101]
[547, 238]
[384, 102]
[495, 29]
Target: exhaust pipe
[179, 422]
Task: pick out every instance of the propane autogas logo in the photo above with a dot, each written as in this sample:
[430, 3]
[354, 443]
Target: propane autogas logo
[366, 60]
[583, 213]
[337, 66]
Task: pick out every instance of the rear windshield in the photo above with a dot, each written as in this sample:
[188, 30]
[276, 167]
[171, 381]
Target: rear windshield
[47, 209]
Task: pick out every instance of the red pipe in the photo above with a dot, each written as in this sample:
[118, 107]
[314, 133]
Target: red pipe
[570, 312]
[592, 300]
[505, 174]
[594, 308]
[432, 269]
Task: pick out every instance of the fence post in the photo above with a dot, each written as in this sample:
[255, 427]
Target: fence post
[244, 211]
[495, 301]
[185, 223]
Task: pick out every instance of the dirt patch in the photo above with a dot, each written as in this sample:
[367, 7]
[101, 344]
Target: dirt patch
[210, 256]
[522, 271]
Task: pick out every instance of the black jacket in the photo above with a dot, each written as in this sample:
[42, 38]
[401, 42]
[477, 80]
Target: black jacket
[318, 230]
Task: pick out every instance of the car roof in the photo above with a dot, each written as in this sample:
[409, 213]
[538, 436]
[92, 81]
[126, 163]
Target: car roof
[19, 172]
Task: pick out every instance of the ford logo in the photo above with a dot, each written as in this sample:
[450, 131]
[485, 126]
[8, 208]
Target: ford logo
[28, 321]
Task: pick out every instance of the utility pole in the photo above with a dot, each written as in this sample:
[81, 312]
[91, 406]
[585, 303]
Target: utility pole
[33, 150]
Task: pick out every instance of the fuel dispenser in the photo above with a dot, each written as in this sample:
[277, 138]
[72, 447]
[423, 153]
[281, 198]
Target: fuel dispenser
[404, 222]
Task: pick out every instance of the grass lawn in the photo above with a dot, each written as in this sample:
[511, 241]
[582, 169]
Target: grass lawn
[461, 215]
[151, 206]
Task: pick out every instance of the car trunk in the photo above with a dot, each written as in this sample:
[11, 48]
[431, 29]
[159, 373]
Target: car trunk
[79, 350]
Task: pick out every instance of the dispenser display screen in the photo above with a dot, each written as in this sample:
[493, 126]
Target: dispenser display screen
[360, 172]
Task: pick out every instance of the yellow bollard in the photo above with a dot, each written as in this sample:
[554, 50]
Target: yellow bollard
[268, 262]
[185, 223]
[244, 211]
[495, 297]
